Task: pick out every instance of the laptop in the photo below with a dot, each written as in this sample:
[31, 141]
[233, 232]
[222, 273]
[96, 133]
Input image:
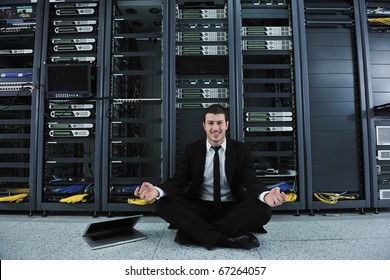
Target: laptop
[112, 232]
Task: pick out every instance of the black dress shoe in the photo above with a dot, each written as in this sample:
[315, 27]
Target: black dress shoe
[243, 241]
[261, 230]
[183, 239]
[171, 226]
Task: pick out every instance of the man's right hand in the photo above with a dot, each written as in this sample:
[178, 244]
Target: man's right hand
[275, 197]
[146, 192]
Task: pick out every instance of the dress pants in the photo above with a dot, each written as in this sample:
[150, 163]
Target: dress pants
[199, 221]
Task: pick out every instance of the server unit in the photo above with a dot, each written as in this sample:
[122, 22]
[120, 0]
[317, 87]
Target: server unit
[136, 88]
[203, 72]
[375, 23]
[20, 32]
[269, 104]
[71, 102]
[334, 105]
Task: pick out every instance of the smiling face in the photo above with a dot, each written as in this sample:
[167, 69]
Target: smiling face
[215, 126]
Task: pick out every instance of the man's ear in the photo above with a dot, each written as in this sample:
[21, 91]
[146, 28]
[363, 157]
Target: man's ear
[227, 125]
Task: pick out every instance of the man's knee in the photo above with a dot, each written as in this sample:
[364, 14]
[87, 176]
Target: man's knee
[168, 205]
[267, 213]
[164, 205]
[264, 212]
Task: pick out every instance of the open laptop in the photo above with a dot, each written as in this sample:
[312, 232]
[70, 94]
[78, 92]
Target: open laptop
[112, 232]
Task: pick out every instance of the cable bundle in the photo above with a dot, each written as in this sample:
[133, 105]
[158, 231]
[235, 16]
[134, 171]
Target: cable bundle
[71, 189]
[14, 198]
[139, 201]
[74, 198]
[289, 190]
[380, 20]
[332, 198]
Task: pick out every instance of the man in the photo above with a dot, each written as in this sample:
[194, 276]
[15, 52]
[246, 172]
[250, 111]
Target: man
[188, 200]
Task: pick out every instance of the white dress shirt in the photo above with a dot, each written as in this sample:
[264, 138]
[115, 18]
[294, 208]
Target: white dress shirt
[207, 188]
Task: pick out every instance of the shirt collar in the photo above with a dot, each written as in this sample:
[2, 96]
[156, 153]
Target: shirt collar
[223, 145]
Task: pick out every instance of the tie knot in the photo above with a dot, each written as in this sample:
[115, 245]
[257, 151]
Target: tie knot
[216, 149]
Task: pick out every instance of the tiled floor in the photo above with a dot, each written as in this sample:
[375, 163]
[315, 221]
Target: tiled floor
[332, 236]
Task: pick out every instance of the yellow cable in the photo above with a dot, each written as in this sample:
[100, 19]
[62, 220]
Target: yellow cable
[14, 198]
[331, 198]
[338, 196]
[74, 198]
[380, 20]
[324, 200]
[291, 197]
[139, 201]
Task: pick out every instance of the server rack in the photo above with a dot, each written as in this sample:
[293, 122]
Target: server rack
[269, 102]
[334, 105]
[324, 68]
[136, 97]
[203, 72]
[376, 46]
[69, 151]
[20, 32]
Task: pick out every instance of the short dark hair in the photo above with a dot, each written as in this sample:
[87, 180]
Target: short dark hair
[216, 109]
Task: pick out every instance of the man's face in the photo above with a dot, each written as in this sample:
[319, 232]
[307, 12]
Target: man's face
[215, 126]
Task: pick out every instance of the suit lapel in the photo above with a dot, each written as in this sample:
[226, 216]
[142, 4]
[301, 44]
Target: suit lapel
[199, 159]
[230, 161]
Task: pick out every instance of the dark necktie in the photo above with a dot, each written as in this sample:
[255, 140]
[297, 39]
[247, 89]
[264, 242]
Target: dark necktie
[217, 182]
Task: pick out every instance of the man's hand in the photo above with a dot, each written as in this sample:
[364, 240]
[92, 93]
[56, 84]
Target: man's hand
[146, 192]
[275, 197]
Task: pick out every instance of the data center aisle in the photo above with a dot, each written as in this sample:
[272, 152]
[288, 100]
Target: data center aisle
[341, 236]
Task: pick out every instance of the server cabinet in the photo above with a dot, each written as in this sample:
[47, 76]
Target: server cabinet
[334, 105]
[375, 25]
[69, 151]
[269, 96]
[203, 68]
[136, 97]
[20, 32]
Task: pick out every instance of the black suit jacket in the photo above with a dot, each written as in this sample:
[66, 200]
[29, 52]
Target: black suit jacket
[239, 169]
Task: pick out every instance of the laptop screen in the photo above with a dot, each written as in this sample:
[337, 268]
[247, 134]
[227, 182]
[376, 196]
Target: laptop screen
[112, 226]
